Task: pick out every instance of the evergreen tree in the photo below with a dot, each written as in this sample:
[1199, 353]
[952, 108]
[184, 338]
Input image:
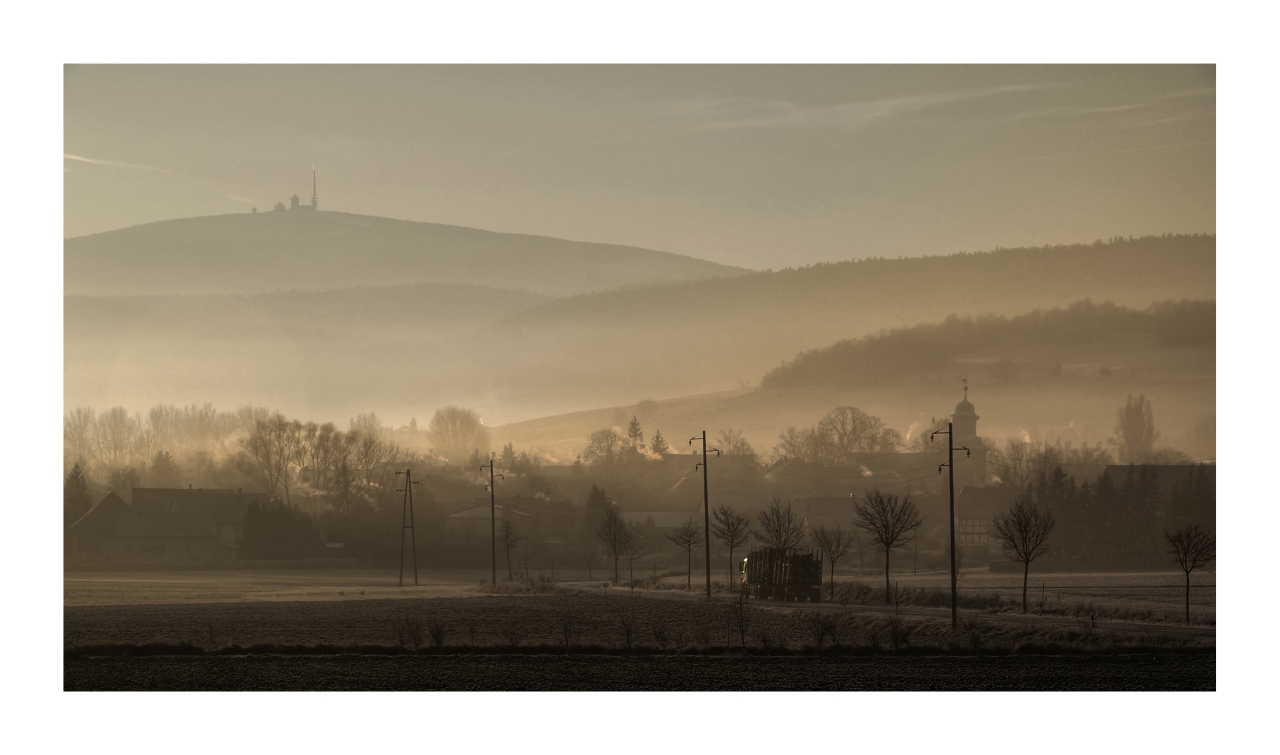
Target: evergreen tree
[658, 445]
[76, 498]
[634, 433]
[165, 473]
[597, 499]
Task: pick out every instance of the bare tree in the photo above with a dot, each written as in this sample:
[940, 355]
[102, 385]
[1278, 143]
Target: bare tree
[287, 437]
[455, 432]
[1135, 430]
[732, 443]
[779, 526]
[891, 521]
[634, 546]
[1023, 532]
[603, 447]
[258, 456]
[732, 529]
[851, 430]
[78, 434]
[115, 436]
[123, 480]
[1192, 548]
[613, 533]
[688, 537]
[833, 543]
[510, 538]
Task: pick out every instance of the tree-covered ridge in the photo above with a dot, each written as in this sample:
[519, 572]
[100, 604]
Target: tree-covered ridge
[925, 349]
[1175, 265]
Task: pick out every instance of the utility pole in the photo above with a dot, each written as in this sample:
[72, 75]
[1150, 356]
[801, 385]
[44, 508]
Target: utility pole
[409, 482]
[951, 481]
[493, 521]
[706, 505]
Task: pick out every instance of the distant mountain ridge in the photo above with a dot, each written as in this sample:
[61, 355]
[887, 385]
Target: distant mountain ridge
[292, 250]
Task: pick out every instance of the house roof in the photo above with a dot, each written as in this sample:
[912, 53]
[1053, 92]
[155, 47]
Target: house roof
[226, 505]
[482, 511]
[102, 511]
[141, 524]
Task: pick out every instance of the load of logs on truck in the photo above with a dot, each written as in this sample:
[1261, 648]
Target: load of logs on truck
[782, 574]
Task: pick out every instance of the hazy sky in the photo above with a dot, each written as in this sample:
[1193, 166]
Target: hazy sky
[758, 166]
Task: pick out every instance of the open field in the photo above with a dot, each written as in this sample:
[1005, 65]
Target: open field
[589, 618]
[92, 588]
[550, 672]
[310, 629]
[1144, 598]
[1139, 596]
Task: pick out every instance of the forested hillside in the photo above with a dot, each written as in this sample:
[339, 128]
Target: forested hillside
[928, 349]
[896, 292]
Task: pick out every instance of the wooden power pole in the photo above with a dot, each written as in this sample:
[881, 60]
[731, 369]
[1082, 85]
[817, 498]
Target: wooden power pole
[493, 522]
[706, 505]
[951, 486]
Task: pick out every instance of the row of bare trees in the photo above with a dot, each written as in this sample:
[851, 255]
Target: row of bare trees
[609, 447]
[623, 540]
[284, 455]
[842, 433]
[115, 438]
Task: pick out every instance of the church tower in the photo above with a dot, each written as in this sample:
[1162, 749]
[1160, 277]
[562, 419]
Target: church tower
[965, 421]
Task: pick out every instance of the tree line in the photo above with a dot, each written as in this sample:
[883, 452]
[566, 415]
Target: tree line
[926, 349]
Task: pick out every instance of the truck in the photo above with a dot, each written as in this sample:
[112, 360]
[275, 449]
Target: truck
[782, 574]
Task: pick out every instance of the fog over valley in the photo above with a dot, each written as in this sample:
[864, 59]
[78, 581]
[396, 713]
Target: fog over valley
[640, 377]
[514, 351]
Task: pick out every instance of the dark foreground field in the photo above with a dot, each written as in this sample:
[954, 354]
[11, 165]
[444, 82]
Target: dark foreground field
[571, 640]
[1171, 671]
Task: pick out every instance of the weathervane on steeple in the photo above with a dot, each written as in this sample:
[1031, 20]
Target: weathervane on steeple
[964, 380]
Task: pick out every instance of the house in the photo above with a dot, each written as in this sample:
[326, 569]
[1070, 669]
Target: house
[478, 519]
[87, 536]
[976, 506]
[227, 507]
[167, 539]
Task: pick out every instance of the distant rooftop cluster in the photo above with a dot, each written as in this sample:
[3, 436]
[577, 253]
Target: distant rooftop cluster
[294, 201]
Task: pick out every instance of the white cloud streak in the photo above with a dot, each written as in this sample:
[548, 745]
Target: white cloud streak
[752, 114]
[116, 164]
